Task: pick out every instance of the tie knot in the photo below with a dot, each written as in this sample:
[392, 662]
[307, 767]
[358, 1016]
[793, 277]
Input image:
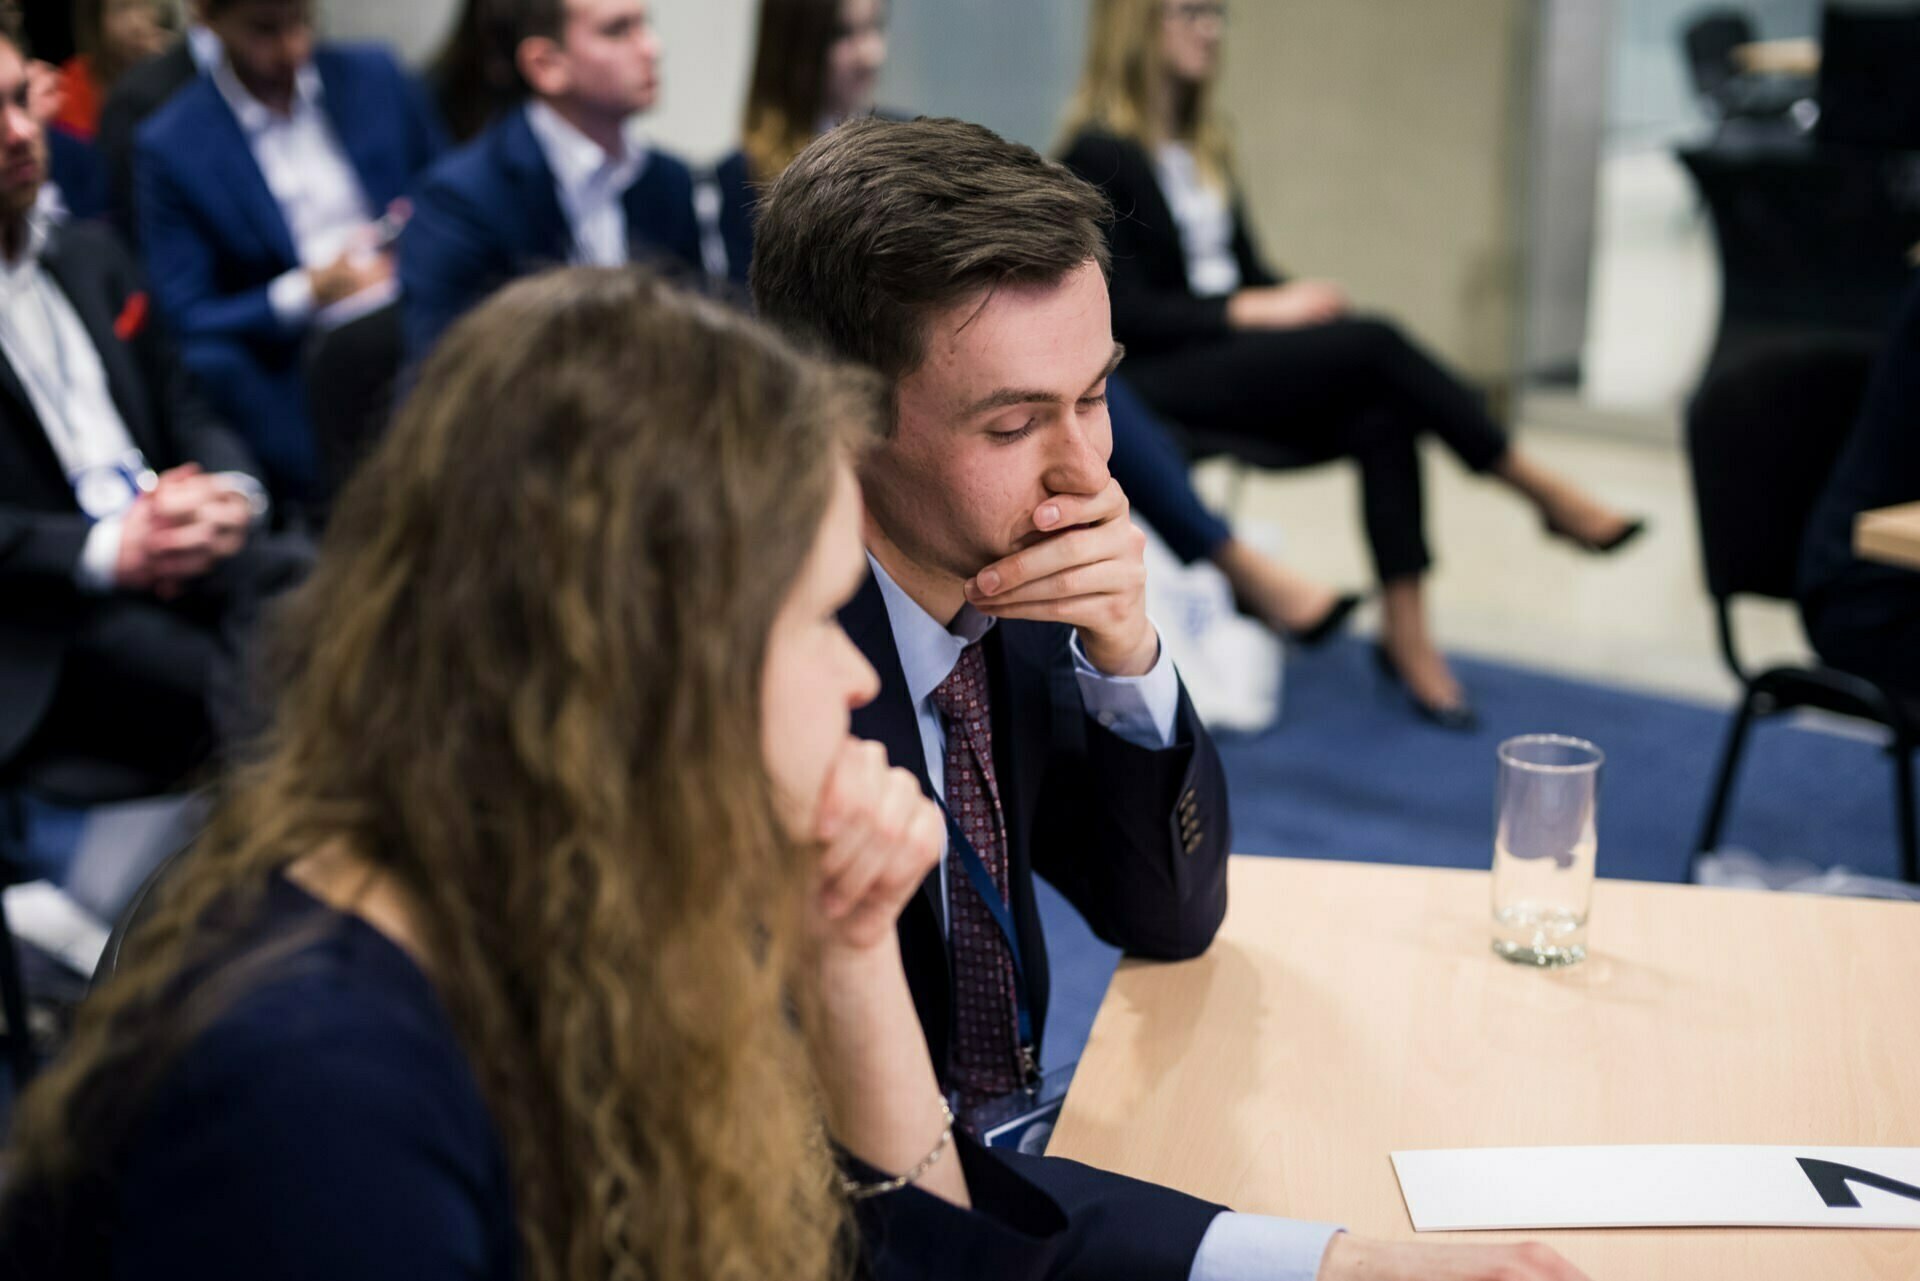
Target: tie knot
[962, 696]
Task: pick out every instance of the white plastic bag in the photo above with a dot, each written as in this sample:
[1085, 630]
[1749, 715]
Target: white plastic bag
[1231, 665]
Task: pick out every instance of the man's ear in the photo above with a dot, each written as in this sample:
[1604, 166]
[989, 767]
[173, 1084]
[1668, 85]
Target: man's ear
[543, 65]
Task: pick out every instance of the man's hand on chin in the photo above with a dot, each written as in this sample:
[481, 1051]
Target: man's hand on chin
[1092, 575]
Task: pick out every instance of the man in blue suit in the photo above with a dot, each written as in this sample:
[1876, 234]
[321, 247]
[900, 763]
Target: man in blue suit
[260, 190]
[564, 178]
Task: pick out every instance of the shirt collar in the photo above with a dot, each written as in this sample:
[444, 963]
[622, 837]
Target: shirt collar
[928, 649]
[256, 117]
[203, 47]
[577, 160]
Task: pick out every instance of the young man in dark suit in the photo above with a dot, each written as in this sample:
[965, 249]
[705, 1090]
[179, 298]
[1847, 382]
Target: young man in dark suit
[259, 189]
[566, 177]
[1020, 677]
[129, 565]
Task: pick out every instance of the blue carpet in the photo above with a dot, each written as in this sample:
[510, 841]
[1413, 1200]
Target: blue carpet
[1350, 773]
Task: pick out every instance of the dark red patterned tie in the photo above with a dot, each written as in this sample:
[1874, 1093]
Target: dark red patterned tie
[986, 1049]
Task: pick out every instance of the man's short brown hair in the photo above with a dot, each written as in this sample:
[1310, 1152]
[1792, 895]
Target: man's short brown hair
[880, 223]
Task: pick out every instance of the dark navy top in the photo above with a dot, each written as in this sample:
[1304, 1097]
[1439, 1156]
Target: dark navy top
[327, 1125]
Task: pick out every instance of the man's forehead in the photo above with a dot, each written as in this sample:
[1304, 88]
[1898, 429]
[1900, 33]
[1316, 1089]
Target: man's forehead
[1041, 336]
[602, 10]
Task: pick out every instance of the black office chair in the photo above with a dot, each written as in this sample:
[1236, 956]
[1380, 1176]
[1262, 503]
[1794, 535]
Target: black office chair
[1725, 90]
[138, 909]
[352, 373]
[1762, 435]
[1870, 76]
[1811, 241]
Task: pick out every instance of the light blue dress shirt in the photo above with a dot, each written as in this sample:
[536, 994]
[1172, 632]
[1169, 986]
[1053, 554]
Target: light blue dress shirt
[1140, 709]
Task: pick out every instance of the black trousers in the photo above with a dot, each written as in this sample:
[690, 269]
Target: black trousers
[147, 688]
[1347, 389]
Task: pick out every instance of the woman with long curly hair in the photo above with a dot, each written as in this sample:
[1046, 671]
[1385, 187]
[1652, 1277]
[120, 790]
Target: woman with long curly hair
[1217, 340]
[549, 931]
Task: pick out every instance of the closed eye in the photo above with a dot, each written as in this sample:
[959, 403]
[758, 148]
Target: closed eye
[1017, 434]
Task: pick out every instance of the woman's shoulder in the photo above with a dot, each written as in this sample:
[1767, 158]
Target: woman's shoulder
[332, 1090]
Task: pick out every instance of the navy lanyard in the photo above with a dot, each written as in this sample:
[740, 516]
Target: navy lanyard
[982, 881]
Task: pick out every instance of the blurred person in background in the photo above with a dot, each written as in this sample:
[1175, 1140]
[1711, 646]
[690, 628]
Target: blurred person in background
[816, 64]
[566, 175]
[1220, 342]
[131, 566]
[267, 193]
[112, 36]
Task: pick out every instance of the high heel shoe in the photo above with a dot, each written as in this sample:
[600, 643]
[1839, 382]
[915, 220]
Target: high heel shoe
[1331, 623]
[1632, 530]
[1460, 718]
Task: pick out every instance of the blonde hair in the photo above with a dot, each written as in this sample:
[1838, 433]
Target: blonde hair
[787, 92]
[524, 683]
[1121, 77]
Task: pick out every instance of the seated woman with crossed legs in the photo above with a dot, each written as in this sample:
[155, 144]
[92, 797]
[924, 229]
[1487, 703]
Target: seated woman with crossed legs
[1218, 342]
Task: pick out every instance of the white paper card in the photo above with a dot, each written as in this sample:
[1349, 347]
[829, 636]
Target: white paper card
[1473, 1189]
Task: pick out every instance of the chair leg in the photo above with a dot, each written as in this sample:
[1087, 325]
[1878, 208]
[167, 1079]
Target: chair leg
[1903, 809]
[13, 1003]
[1723, 786]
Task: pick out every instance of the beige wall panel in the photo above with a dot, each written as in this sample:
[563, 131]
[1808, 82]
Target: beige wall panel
[1380, 144]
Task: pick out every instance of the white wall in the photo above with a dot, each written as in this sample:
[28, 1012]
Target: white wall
[708, 45]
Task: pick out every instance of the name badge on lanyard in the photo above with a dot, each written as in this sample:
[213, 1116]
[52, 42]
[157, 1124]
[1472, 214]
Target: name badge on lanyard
[1024, 1119]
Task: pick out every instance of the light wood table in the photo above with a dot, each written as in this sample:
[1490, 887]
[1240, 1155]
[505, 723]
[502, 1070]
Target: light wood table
[1347, 1011]
[1890, 535]
[1794, 57]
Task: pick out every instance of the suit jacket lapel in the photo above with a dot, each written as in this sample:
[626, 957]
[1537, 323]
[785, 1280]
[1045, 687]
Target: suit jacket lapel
[1022, 701]
[123, 378]
[241, 175]
[537, 196]
[356, 139]
[889, 719]
[33, 431]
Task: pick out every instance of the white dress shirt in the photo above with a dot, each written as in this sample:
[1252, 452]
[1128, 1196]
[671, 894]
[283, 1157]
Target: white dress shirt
[204, 47]
[1205, 220]
[318, 192]
[591, 184]
[1140, 709]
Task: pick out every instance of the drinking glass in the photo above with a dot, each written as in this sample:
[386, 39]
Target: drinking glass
[1544, 845]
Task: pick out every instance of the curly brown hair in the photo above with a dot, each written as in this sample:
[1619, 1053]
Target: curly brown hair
[524, 684]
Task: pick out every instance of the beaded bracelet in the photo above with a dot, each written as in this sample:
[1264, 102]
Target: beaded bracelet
[861, 1191]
